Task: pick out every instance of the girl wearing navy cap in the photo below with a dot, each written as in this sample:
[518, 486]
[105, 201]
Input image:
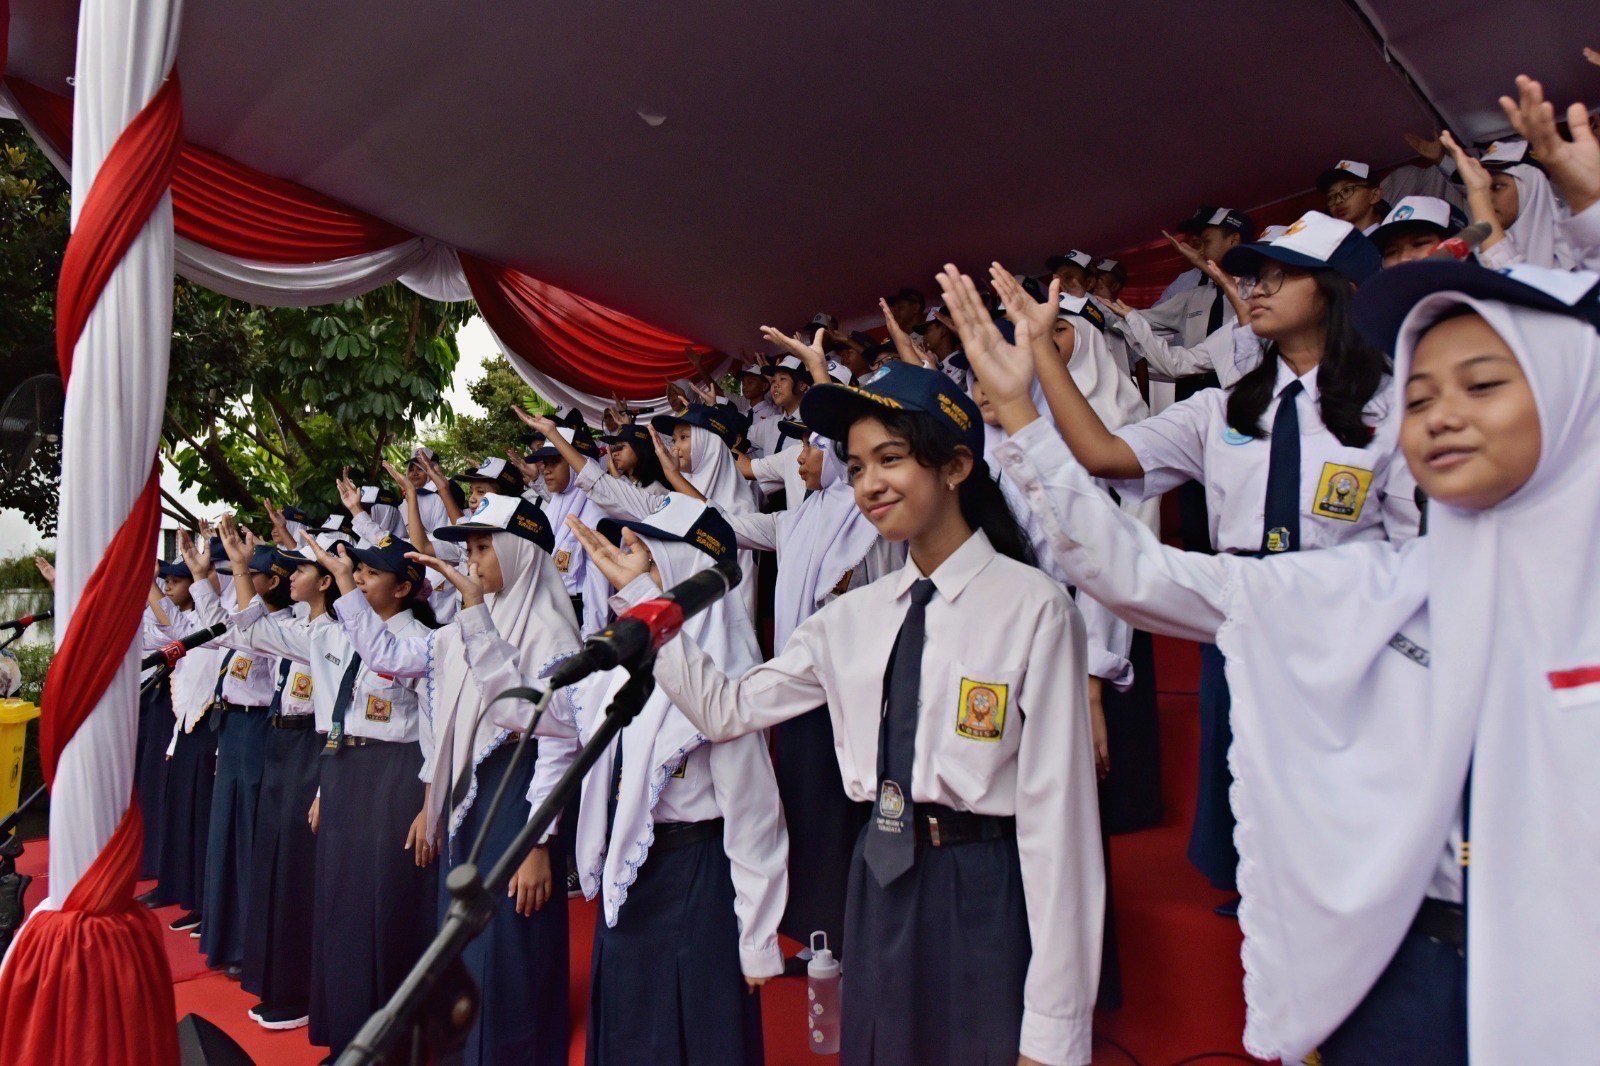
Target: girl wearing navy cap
[1393, 704]
[168, 597]
[1298, 454]
[373, 903]
[277, 950]
[683, 840]
[975, 902]
[515, 593]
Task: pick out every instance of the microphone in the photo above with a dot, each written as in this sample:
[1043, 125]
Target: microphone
[168, 654]
[1464, 243]
[644, 628]
[17, 625]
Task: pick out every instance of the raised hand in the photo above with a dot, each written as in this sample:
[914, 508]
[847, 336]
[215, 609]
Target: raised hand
[621, 567]
[1574, 165]
[1429, 148]
[904, 346]
[541, 424]
[1006, 370]
[47, 569]
[529, 471]
[665, 452]
[349, 493]
[1020, 305]
[398, 476]
[808, 354]
[1474, 176]
[340, 565]
[280, 526]
[1193, 255]
[466, 584]
[194, 554]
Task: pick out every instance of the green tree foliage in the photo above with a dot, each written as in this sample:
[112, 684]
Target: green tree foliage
[473, 438]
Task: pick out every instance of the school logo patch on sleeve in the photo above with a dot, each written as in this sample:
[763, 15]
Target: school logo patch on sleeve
[563, 560]
[379, 710]
[240, 668]
[300, 686]
[982, 711]
[1341, 492]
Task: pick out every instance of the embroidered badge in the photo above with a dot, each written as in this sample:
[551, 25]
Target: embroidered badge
[982, 713]
[240, 669]
[1341, 492]
[563, 560]
[386, 541]
[300, 686]
[1234, 437]
[379, 710]
[891, 805]
[1278, 539]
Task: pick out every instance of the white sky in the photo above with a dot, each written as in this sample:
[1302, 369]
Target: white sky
[17, 535]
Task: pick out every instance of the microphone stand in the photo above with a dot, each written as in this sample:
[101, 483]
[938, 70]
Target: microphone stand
[437, 1003]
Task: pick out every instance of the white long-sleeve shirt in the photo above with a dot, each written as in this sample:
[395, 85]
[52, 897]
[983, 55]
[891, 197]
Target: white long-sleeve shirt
[252, 673]
[1040, 768]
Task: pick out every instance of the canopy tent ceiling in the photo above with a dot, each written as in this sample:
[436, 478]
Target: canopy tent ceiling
[813, 154]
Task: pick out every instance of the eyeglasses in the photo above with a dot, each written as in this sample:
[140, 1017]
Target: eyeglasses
[1268, 282]
[1339, 197]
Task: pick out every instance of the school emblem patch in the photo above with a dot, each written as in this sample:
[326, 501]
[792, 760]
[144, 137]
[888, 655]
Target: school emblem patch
[1341, 492]
[891, 801]
[563, 560]
[300, 686]
[240, 668]
[379, 710]
[982, 711]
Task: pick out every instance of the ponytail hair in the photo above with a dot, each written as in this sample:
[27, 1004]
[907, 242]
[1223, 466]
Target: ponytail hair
[647, 467]
[277, 597]
[983, 504]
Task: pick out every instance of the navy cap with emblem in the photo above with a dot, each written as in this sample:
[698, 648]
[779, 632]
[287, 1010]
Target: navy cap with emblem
[680, 517]
[175, 568]
[389, 556]
[720, 420]
[1383, 303]
[1227, 217]
[631, 434]
[498, 472]
[1315, 241]
[580, 440]
[832, 409]
[503, 514]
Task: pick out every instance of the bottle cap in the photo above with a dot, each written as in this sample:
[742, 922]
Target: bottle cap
[822, 964]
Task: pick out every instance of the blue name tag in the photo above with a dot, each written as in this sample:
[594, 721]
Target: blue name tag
[1233, 436]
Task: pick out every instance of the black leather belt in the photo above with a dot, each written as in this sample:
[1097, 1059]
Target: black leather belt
[245, 708]
[291, 721]
[673, 835]
[945, 827]
[348, 741]
[1441, 921]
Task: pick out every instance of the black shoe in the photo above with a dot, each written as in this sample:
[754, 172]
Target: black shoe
[184, 921]
[574, 885]
[279, 1018]
[234, 972]
[149, 899]
[1229, 909]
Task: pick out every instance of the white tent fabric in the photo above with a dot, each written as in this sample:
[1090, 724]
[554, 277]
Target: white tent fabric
[113, 414]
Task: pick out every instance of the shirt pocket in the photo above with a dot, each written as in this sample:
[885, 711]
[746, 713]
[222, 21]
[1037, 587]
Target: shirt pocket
[978, 726]
[383, 704]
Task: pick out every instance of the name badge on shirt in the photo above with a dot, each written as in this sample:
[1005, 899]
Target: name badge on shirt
[300, 686]
[240, 667]
[379, 710]
[844, 583]
[981, 714]
[1341, 492]
[563, 560]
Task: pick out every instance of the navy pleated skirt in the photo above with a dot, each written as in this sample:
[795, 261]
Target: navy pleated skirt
[823, 823]
[191, 774]
[519, 962]
[1211, 839]
[374, 906]
[150, 771]
[241, 760]
[1130, 795]
[666, 987]
[937, 960]
[277, 944]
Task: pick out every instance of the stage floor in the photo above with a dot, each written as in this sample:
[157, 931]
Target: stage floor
[1182, 982]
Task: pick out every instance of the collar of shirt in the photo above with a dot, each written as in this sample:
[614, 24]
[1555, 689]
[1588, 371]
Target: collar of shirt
[399, 620]
[1286, 374]
[955, 573]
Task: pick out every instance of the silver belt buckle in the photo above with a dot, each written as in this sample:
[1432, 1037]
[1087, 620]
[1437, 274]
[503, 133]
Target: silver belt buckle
[933, 830]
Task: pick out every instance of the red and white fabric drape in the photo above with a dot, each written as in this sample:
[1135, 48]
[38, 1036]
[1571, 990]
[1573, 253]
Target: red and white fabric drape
[269, 241]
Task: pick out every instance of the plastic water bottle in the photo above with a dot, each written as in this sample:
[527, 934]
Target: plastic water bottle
[822, 997]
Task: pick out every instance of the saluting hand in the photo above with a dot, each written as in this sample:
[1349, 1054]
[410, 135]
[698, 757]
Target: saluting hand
[529, 471]
[337, 563]
[1192, 255]
[238, 551]
[1021, 305]
[906, 345]
[620, 567]
[1006, 370]
[47, 569]
[195, 557]
[280, 527]
[403, 483]
[666, 453]
[469, 587]
[349, 494]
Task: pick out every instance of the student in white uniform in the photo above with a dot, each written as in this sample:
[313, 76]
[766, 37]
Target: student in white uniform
[587, 589]
[277, 948]
[373, 904]
[977, 882]
[1267, 490]
[631, 454]
[495, 476]
[1524, 206]
[788, 382]
[168, 597]
[443, 600]
[514, 594]
[430, 498]
[1572, 161]
[1353, 195]
[249, 683]
[683, 840]
[1415, 229]
[1393, 705]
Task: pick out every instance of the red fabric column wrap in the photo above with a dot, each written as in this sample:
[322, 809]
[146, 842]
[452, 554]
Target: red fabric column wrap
[90, 982]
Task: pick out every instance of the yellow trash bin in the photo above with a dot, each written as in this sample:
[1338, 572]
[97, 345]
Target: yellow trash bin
[14, 718]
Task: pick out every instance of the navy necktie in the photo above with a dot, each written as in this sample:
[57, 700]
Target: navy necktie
[1281, 517]
[215, 710]
[341, 703]
[277, 693]
[891, 844]
[1214, 319]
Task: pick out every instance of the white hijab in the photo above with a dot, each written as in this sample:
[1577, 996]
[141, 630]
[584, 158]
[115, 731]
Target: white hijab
[1112, 394]
[1350, 756]
[819, 541]
[654, 745]
[716, 475]
[533, 615]
[1536, 234]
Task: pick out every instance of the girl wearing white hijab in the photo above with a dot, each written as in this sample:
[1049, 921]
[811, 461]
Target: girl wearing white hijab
[1527, 207]
[825, 547]
[683, 840]
[1392, 703]
[515, 621]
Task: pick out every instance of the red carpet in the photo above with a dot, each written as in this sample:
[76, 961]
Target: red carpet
[1180, 963]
